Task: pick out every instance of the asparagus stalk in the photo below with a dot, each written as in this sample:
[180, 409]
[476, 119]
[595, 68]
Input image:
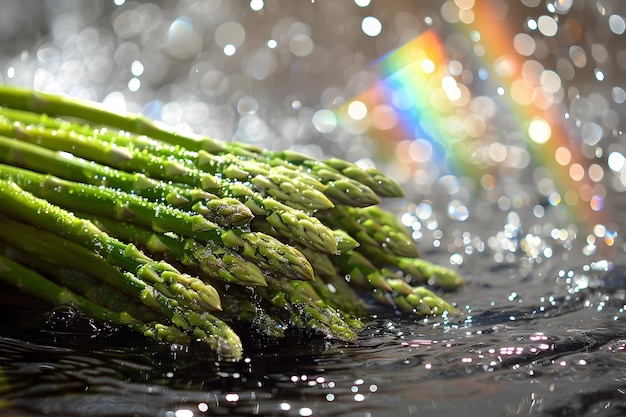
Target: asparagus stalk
[82, 283]
[421, 271]
[107, 296]
[257, 247]
[203, 327]
[209, 260]
[383, 240]
[307, 311]
[338, 188]
[30, 282]
[53, 249]
[388, 287]
[289, 223]
[289, 220]
[223, 211]
[335, 173]
[373, 178]
[290, 191]
[339, 294]
[22, 205]
[55, 105]
[109, 202]
[345, 274]
[378, 232]
[330, 283]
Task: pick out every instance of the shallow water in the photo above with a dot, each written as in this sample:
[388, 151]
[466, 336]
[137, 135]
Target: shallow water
[540, 325]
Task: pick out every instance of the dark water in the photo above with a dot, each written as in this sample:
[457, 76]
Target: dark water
[551, 350]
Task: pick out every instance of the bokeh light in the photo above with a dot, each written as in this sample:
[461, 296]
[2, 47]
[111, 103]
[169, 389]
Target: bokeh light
[371, 26]
[539, 131]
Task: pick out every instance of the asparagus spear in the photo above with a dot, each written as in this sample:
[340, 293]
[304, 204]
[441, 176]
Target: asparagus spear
[383, 240]
[64, 106]
[289, 221]
[210, 260]
[388, 287]
[321, 175]
[335, 173]
[75, 279]
[181, 329]
[378, 232]
[331, 285]
[223, 211]
[340, 189]
[56, 105]
[30, 282]
[257, 247]
[56, 250]
[373, 178]
[22, 205]
[305, 310]
[421, 271]
[289, 191]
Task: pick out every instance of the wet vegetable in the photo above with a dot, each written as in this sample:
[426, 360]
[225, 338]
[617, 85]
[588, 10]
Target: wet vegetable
[184, 238]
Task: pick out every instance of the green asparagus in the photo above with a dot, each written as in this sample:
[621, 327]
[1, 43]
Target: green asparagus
[182, 237]
[64, 106]
[287, 217]
[212, 260]
[128, 207]
[34, 284]
[223, 211]
[24, 206]
[377, 231]
[390, 287]
[292, 193]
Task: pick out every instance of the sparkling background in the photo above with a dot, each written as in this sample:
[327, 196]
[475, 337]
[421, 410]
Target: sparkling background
[503, 121]
[524, 110]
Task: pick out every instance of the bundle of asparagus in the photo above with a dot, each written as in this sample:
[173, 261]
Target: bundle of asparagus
[184, 238]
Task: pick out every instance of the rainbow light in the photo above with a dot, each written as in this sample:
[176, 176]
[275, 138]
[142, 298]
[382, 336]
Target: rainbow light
[574, 187]
[408, 102]
[406, 75]
[417, 72]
